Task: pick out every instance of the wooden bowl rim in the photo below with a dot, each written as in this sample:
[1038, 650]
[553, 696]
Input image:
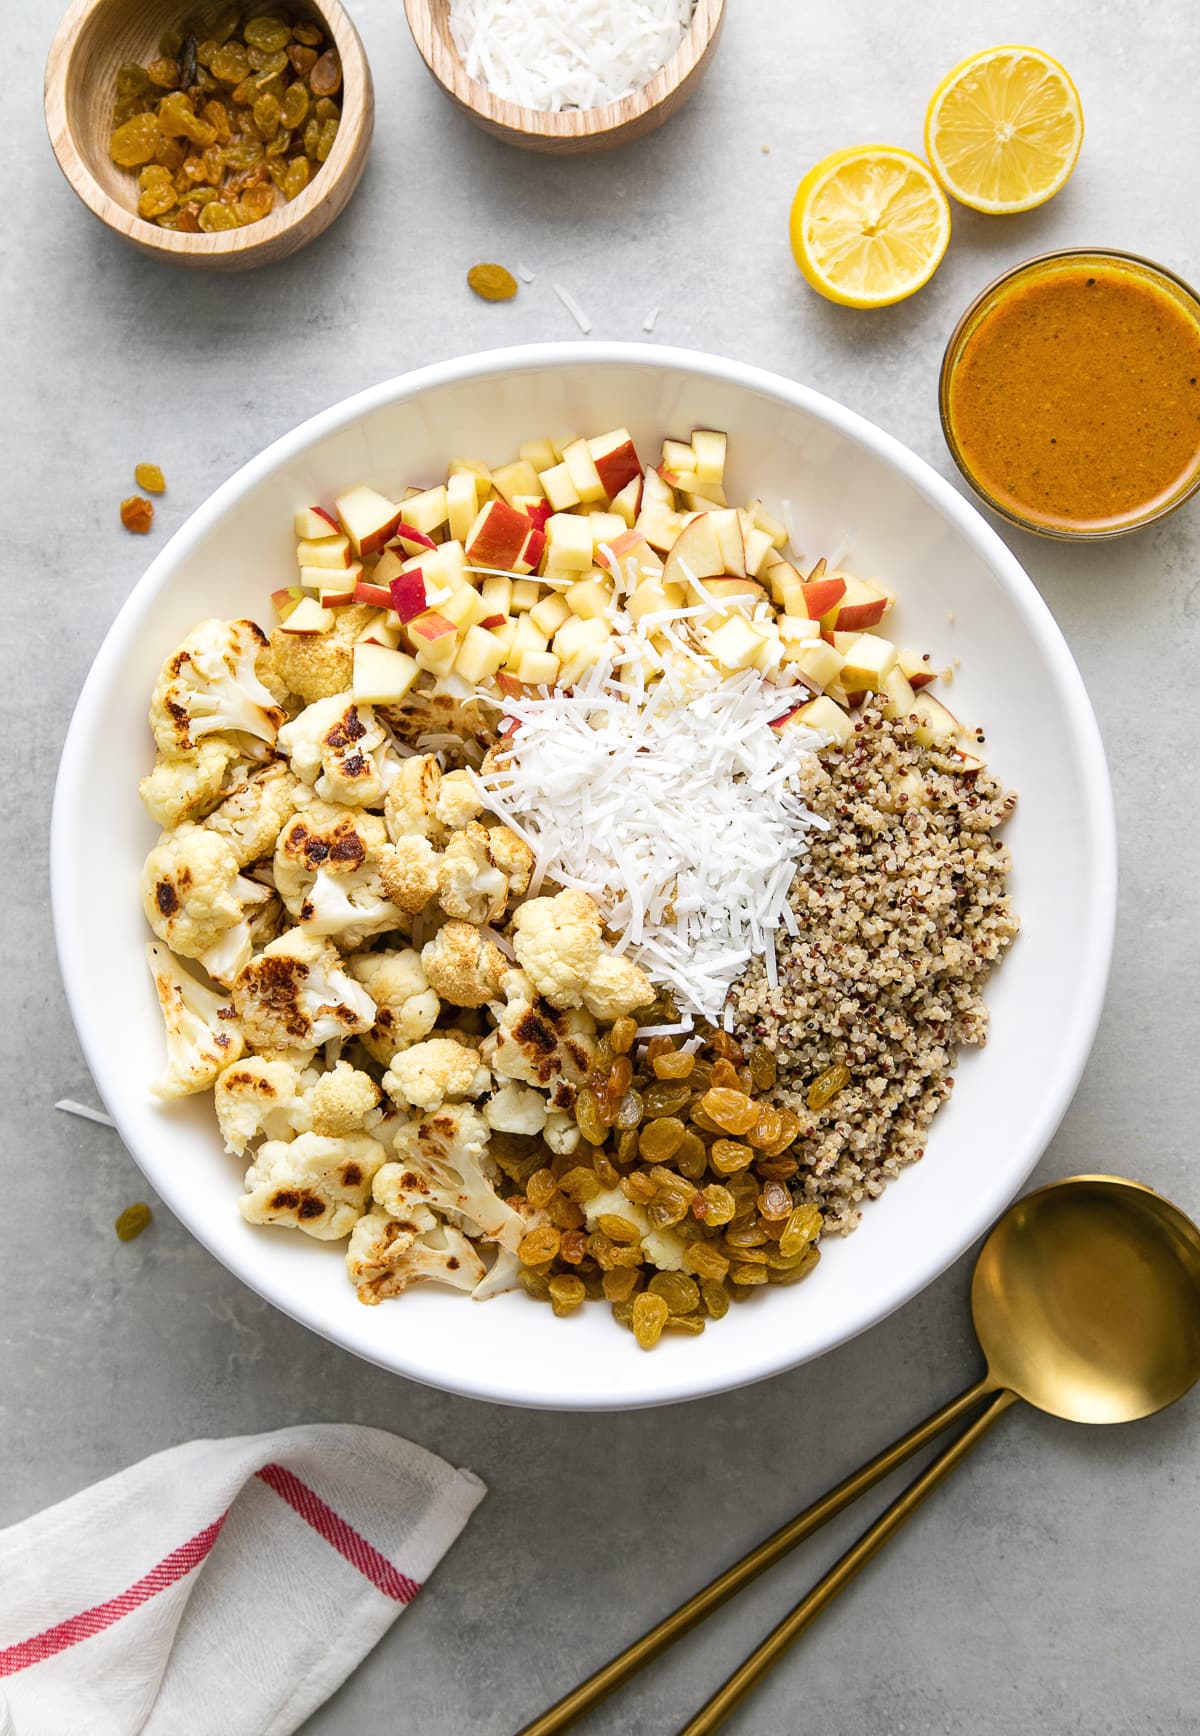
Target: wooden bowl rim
[567, 124]
[357, 105]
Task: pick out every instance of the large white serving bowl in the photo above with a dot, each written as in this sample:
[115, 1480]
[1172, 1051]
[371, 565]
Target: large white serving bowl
[847, 490]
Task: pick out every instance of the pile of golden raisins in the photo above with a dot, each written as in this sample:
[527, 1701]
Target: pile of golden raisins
[236, 113]
[697, 1148]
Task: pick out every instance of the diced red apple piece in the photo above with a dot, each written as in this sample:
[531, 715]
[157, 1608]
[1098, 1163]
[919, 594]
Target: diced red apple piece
[367, 517]
[728, 527]
[615, 459]
[539, 453]
[532, 550]
[589, 599]
[823, 715]
[936, 726]
[493, 621]
[760, 551]
[735, 644]
[525, 593]
[381, 676]
[818, 663]
[479, 655]
[868, 661]
[337, 595]
[709, 448]
[308, 617]
[581, 468]
[464, 607]
[496, 591]
[897, 693]
[379, 596]
[516, 478]
[462, 504]
[560, 487]
[497, 536]
[429, 626]
[568, 543]
[408, 594]
[313, 522]
[822, 597]
[730, 590]
[412, 540]
[918, 670]
[426, 511]
[864, 605]
[327, 551]
[538, 669]
[695, 554]
[285, 600]
[628, 500]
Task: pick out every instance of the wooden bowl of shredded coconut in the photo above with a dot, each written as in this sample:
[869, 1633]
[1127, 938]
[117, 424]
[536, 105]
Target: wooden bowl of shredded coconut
[567, 75]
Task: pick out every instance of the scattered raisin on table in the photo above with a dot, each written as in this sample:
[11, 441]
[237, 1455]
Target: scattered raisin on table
[137, 513]
[150, 477]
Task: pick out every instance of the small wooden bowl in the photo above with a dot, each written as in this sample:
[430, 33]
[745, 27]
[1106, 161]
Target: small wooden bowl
[570, 131]
[98, 36]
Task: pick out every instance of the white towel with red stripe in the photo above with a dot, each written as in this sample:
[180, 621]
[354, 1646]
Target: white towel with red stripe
[222, 1588]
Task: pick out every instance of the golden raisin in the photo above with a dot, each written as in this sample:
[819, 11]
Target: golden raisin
[539, 1246]
[137, 514]
[731, 1110]
[492, 282]
[620, 1078]
[325, 77]
[217, 216]
[639, 1187]
[775, 1201]
[303, 60]
[680, 1293]
[156, 200]
[746, 1274]
[660, 1140]
[691, 1325]
[763, 1069]
[132, 1221]
[296, 177]
[706, 1260]
[803, 1226]
[692, 1157]
[666, 1097]
[715, 1299]
[623, 1036]
[649, 1317]
[714, 1204]
[793, 1274]
[727, 1156]
[725, 1075]
[618, 1229]
[135, 142]
[620, 1284]
[826, 1086]
[674, 1065]
[564, 1213]
[267, 32]
[309, 34]
[579, 1184]
[628, 1112]
[588, 1118]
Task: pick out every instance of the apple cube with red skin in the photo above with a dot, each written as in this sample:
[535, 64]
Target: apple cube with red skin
[479, 655]
[916, 669]
[498, 535]
[696, 553]
[823, 598]
[381, 675]
[864, 605]
[313, 522]
[412, 540]
[326, 551]
[936, 725]
[709, 448]
[532, 551]
[425, 511]
[309, 616]
[520, 477]
[615, 458]
[408, 595]
[581, 468]
[285, 600]
[368, 518]
[824, 716]
[627, 501]
[379, 596]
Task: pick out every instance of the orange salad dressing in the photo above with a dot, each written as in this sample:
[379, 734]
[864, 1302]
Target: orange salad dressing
[1075, 399]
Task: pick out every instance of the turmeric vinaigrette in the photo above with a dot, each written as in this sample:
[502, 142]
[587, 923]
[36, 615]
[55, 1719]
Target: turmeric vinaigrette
[1074, 398]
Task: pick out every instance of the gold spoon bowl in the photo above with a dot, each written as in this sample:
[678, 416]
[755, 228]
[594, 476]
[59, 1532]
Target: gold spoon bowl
[1086, 1303]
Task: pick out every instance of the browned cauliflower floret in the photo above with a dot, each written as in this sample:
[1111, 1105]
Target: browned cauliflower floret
[202, 1030]
[210, 685]
[463, 964]
[256, 1096]
[406, 1006]
[559, 943]
[196, 900]
[344, 1100]
[185, 786]
[296, 995]
[441, 1163]
[430, 1072]
[254, 811]
[328, 872]
[469, 885]
[410, 806]
[513, 857]
[317, 1185]
[409, 872]
[386, 1255]
[317, 665]
[335, 745]
[458, 801]
[515, 1108]
[538, 1045]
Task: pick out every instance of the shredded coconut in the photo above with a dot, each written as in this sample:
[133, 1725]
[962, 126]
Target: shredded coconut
[573, 308]
[674, 806]
[69, 1106]
[651, 320]
[560, 54]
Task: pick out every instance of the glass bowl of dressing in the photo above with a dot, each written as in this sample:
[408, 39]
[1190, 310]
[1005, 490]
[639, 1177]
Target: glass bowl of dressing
[1070, 394]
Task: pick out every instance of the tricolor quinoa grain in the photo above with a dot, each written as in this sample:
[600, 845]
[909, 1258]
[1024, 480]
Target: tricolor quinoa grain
[902, 911]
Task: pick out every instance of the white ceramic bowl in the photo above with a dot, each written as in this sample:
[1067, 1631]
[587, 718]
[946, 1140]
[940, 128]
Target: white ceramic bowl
[850, 490]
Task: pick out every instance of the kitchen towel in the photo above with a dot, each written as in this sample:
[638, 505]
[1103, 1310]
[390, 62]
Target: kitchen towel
[220, 1588]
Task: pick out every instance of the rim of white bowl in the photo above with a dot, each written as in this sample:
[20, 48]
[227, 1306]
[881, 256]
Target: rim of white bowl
[66, 847]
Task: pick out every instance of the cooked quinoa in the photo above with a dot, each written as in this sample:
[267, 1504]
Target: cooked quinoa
[903, 912]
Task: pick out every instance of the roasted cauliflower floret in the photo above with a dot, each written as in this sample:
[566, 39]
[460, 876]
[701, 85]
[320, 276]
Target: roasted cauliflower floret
[202, 1029]
[513, 857]
[317, 1185]
[515, 1108]
[408, 870]
[559, 942]
[254, 812]
[561, 1132]
[344, 1100]
[441, 1163]
[333, 746]
[327, 871]
[463, 964]
[210, 685]
[256, 1096]
[538, 1045]
[297, 995]
[386, 1255]
[429, 1073]
[196, 899]
[458, 801]
[469, 885]
[317, 665]
[406, 1006]
[410, 806]
[185, 786]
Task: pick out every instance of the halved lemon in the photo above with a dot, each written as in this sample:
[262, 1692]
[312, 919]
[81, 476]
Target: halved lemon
[1003, 130]
[869, 226]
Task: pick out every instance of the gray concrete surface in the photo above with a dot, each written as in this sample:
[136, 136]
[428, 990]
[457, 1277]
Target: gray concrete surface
[1053, 1587]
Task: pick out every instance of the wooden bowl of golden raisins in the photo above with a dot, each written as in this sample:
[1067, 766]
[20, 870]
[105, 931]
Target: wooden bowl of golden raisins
[223, 138]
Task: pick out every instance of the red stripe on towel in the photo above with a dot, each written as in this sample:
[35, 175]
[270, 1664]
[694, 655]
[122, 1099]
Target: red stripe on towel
[348, 1542]
[171, 1568]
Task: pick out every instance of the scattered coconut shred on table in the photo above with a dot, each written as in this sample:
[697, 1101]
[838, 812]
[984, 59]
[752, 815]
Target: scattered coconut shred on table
[674, 806]
[559, 54]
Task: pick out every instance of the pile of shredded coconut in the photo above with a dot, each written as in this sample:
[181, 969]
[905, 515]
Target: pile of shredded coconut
[557, 54]
[674, 806]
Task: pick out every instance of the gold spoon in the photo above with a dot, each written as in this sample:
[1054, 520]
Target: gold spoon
[1086, 1301]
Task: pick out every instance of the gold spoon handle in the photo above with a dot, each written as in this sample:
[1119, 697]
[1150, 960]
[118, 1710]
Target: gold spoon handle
[855, 1559]
[627, 1663]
